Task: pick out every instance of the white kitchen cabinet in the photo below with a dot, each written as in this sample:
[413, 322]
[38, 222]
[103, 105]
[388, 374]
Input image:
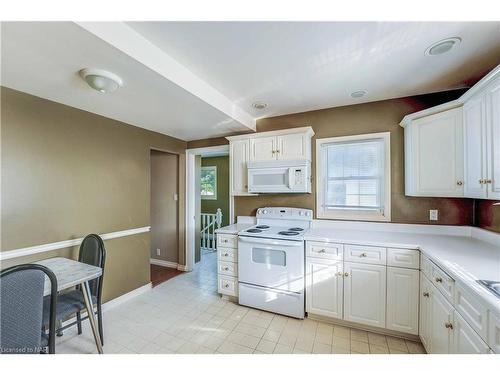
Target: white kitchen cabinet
[238, 159]
[324, 287]
[263, 148]
[494, 333]
[465, 339]
[294, 146]
[493, 140]
[402, 299]
[365, 293]
[441, 323]
[424, 326]
[434, 155]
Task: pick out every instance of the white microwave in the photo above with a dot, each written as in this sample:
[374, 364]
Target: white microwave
[279, 176]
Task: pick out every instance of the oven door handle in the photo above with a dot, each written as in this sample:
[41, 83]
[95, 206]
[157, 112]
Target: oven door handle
[269, 241]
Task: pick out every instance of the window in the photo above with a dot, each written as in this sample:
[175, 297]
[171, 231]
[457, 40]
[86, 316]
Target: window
[208, 181]
[354, 177]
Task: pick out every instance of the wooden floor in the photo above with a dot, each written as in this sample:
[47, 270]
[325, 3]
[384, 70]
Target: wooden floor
[160, 274]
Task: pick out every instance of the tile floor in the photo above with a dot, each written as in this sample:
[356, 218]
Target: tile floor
[185, 315]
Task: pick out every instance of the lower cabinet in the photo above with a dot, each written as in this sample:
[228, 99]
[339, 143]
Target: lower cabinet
[324, 287]
[365, 293]
[440, 323]
[465, 339]
[424, 328]
[402, 299]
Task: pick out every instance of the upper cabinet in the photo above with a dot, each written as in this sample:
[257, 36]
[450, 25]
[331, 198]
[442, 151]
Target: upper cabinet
[453, 150]
[289, 144]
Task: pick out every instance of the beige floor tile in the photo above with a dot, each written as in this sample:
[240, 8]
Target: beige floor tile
[339, 350]
[376, 339]
[395, 351]
[213, 342]
[283, 349]
[359, 347]
[342, 342]
[298, 351]
[341, 331]
[359, 335]
[319, 348]
[375, 349]
[324, 337]
[250, 329]
[228, 347]
[205, 350]
[259, 352]
[243, 339]
[287, 339]
[396, 343]
[266, 346]
[272, 335]
[304, 344]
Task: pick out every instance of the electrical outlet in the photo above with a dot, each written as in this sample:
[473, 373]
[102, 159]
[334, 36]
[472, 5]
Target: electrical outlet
[433, 215]
[158, 251]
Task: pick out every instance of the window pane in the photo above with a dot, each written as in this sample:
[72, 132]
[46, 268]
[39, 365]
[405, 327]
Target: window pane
[208, 182]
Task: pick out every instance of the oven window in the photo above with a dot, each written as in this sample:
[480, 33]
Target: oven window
[269, 256]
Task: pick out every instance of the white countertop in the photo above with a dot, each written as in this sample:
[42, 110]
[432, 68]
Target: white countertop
[466, 259]
[234, 228]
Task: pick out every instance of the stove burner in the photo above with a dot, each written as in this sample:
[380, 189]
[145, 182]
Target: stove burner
[288, 233]
[253, 230]
[296, 229]
[262, 227]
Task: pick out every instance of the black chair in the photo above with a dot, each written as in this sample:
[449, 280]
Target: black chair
[21, 308]
[69, 303]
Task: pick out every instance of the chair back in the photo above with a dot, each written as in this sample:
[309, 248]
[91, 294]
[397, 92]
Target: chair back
[21, 308]
[93, 252]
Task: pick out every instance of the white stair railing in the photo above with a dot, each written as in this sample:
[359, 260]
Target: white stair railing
[209, 223]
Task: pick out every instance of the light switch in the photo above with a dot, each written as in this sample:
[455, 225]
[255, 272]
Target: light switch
[433, 215]
[158, 252]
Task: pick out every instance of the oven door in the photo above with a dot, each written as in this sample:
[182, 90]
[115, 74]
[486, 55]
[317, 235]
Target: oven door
[277, 264]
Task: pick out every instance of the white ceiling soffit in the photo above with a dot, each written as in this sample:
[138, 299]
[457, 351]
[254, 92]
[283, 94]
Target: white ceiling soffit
[302, 66]
[43, 59]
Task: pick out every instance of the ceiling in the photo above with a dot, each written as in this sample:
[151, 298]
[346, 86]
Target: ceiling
[195, 80]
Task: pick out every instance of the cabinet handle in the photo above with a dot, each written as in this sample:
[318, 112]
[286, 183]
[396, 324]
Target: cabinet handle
[322, 251]
[425, 294]
[273, 152]
[438, 280]
[226, 286]
[481, 181]
[226, 254]
[460, 183]
[448, 325]
[338, 274]
[226, 268]
[488, 181]
[346, 274]
[277, 151]
[363, 255]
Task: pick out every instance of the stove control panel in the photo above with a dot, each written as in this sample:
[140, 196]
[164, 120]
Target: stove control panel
[285, 213]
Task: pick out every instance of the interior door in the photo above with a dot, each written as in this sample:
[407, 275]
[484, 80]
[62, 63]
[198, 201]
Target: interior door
[324, 287]
[197, 208]
[291, 147]
[365, 293]
[263, 148]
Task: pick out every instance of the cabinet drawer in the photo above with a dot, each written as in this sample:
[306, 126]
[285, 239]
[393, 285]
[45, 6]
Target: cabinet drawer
[365, 254]
[227, 255]
[494, 333]
[472, 311]
[403, 258]
[228, 268]
[228, 285]
[426, 266]
[444, 283]
[227, 240]
[324, 250]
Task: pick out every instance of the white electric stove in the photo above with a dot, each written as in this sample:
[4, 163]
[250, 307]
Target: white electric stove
[271, 260]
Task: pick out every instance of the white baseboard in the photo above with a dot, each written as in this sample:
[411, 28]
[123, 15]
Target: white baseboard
[182, 267]
[163, 263]
[125, 297]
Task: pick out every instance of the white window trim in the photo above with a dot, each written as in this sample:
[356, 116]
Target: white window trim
[211, 197]
[366, 215]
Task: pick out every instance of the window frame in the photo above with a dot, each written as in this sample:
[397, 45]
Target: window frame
[209, 197]
[322, 171]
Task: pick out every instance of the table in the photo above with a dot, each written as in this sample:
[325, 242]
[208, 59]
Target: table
[70, 273]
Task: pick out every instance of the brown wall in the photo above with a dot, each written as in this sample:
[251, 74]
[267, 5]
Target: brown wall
[210, 206]
[487, 214]
[360, 119]
[67, 172]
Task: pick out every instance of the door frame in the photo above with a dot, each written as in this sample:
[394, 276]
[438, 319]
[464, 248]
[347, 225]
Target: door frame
[190, 196]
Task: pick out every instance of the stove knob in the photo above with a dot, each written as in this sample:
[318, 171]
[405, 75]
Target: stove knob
[308, 213]
[301, 213]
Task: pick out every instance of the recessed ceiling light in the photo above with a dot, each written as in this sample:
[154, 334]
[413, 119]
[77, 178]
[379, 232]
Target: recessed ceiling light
[101, 80]
[259, 105]
[442, 46]
[358, 94]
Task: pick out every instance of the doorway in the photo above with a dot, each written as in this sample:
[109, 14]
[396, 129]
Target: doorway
[164, 216]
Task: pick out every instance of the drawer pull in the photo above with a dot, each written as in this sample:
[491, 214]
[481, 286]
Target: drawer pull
[226, 286]
[448, 325]
[322, 251]
[338, 274]
[346, 274]
[363, 255]
[460, 183]
[226, 254]
[438, 280]
[425, 294]
[226, 268]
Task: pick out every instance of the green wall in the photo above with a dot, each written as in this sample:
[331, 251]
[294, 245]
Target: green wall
[222, 202]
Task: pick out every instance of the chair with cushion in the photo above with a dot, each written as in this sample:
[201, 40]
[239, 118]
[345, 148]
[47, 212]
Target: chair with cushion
[71, 302]
[21, 308]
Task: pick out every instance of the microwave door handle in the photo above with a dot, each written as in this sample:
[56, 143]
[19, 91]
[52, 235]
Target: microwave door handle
[291, 179]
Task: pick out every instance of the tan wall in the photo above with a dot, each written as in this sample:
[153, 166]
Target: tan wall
[360, 119]
[222, 201]
[67, 172]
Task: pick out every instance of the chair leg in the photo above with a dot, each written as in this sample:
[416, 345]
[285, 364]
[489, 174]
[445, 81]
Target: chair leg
[99, 321]
[58, 328]
[79, 320]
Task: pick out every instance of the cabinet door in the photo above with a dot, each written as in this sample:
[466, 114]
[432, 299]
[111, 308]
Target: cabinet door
[365, 293]
[465, 339]
[324, 285]
[263, 148]
[292, 147]
[436, 155]
[493, 140]
[402, 299]
[425, 311]
[441, 320]
[474, 148]
[238, 165]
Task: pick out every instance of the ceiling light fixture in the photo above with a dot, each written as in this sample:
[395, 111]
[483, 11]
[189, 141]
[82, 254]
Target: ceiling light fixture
[358, 94]
[259, 105]
[442, 46]
[101, 80]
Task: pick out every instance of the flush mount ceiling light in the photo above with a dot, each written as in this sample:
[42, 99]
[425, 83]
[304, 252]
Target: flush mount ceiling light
[442, 46]
[259, 105]
[101, 80]
[358, 94]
